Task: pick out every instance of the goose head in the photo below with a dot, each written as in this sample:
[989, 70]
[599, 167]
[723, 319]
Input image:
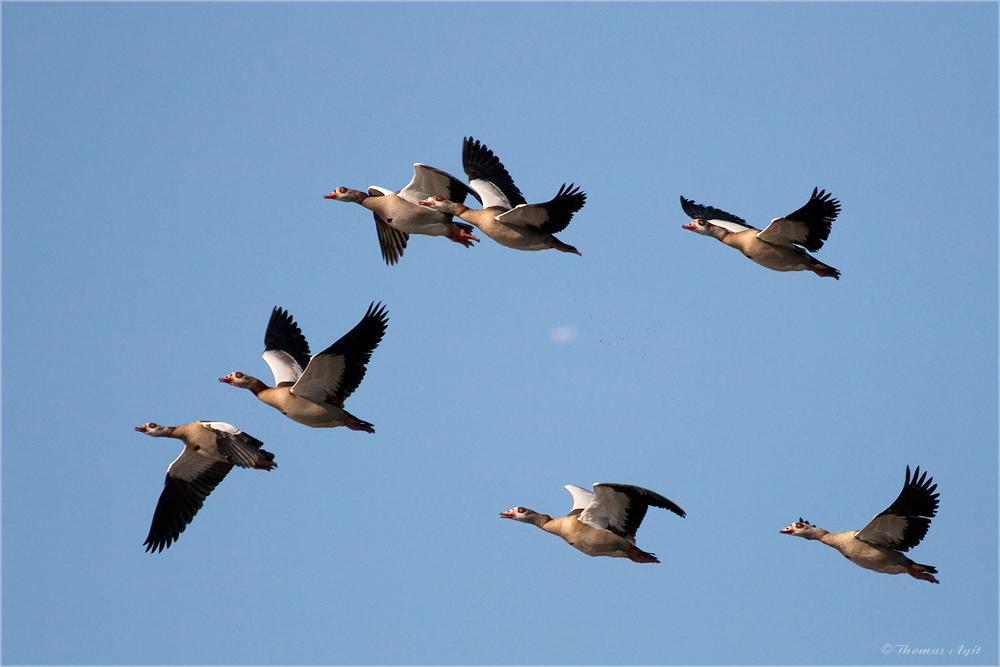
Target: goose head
[439, 203]
[154, 430]
[238, 379]
[803, 528]
[521, 514]
[346, 194]
[705, 227]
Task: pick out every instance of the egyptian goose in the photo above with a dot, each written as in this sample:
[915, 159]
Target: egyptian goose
[397, 214]
[211, 449]
[312, 390]
[778, 246]
[877, 546]
[506, 217]
[602, 523]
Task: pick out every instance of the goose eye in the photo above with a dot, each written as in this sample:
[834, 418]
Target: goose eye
[239, 375]
[152, 425]
[520, 510]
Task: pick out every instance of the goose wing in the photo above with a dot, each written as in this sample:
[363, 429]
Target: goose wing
[551, 217]
[713, 215]
[391, 241]
[285, 348]
[808, 227]
[190, 478]
[334, 374]
[429, 181]
[237, 447]
[620, 508]
[488, 177]
[905, 522]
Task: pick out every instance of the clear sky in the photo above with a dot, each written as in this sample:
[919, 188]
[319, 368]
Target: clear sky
[164, 167]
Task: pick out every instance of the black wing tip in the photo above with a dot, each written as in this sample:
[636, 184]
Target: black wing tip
[925, 487]
[377, 310]
[371, 328]
[574, 191]
[282, 333]
[474, 154]
[279, 313]
[157, 544]
[567, 201]
[688, 206]
[824, 196]
[672, 506]
[279, 317]
[828, 206]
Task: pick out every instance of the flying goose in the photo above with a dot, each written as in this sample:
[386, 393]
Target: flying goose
[506, 217]
[877, 546]
[312, 390]
[211, 449]
[398, 214]
[777, 247]
[602, 523]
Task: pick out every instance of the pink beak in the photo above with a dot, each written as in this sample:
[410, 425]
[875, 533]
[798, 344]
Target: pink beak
[509, 514]
[329, 195]
[689, 225]
[226, 379]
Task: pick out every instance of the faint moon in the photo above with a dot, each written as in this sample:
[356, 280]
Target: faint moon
[563, 334]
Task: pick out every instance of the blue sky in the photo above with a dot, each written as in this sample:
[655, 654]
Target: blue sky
[164, 167]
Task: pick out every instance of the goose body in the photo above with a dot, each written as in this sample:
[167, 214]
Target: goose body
[399, 214]
[782, 245]
[312, 390]
[506, 217]
[211, 449]
[879, 545]
[602, 522]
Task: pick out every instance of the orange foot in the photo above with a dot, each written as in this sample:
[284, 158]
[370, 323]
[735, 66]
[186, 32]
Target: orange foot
[459, 235]
[920, 574]
[356, 424]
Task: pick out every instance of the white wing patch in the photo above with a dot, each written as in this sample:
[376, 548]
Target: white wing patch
[581, 497]
[730, 226]
[283, 366]
[489, 194]
[609, 509]
[222, 426]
